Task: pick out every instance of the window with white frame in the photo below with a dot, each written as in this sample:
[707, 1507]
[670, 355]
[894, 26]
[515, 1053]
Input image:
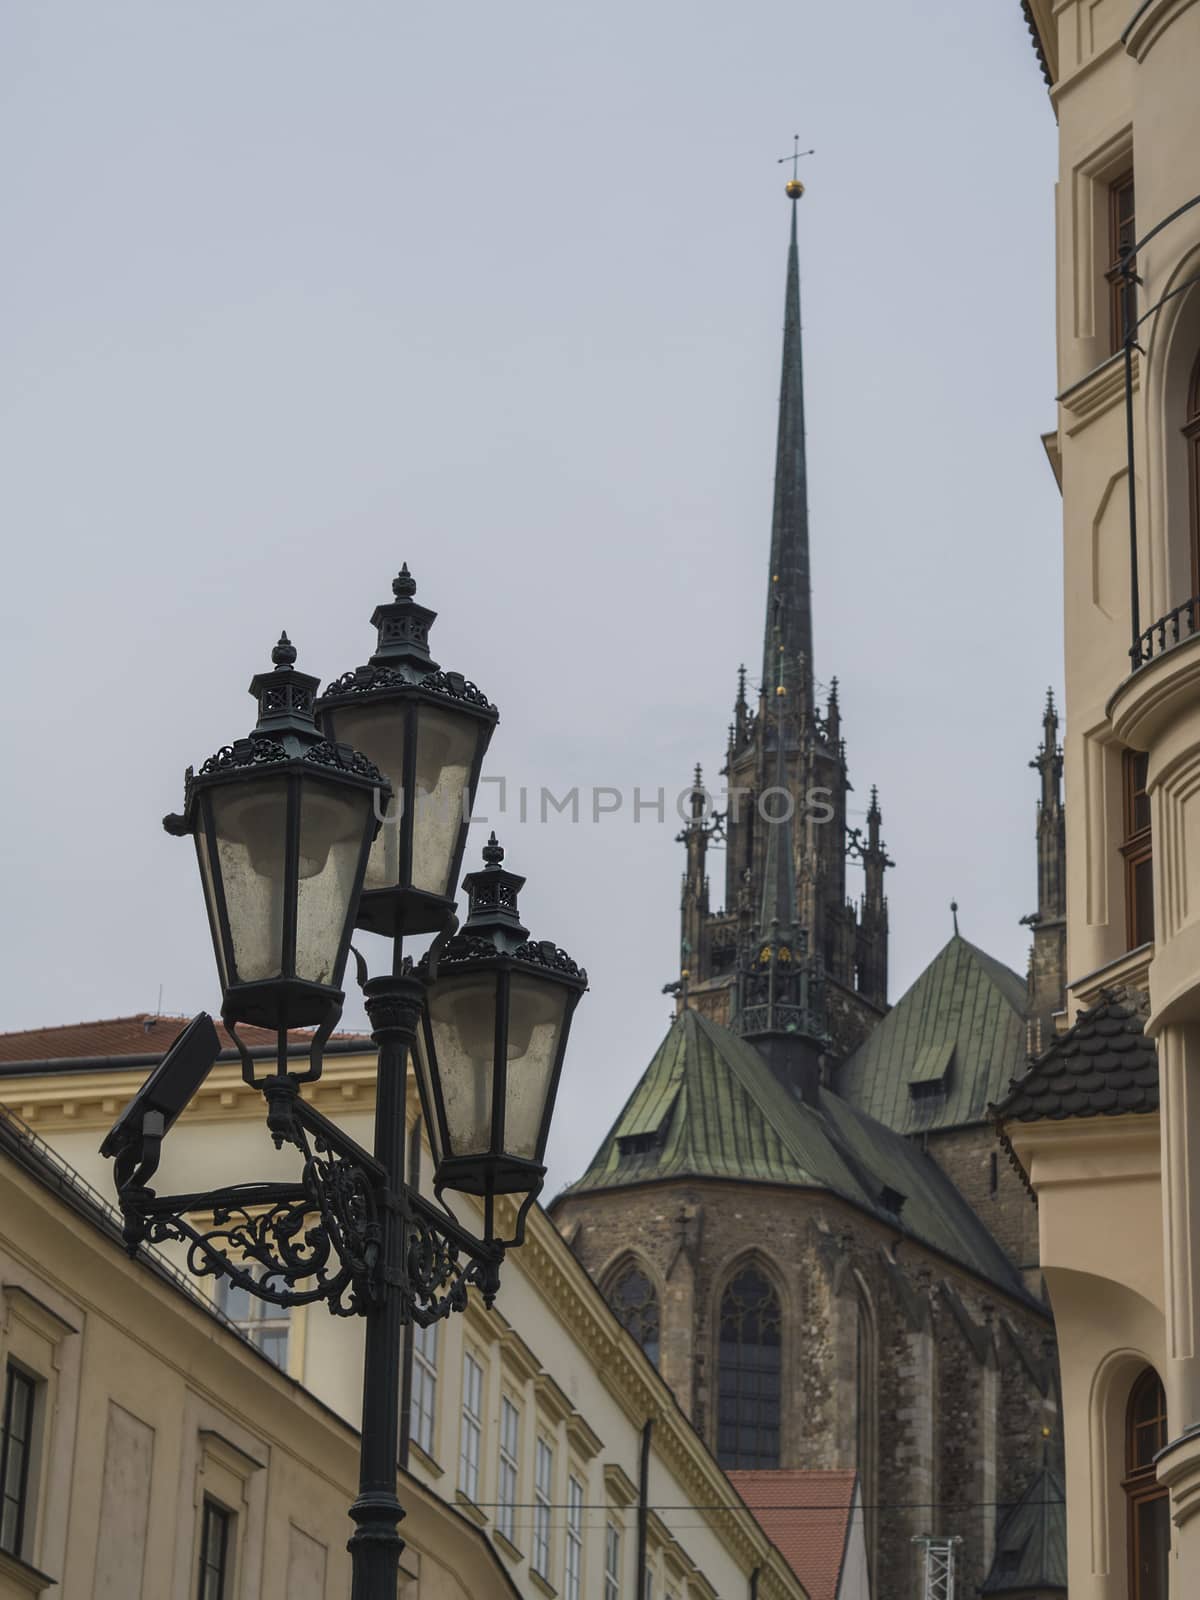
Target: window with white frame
[506, 1506]
[264, 1324]
[612, 1562]
[424, 1386]
[543, 1499]
[574, 1561]
[472, 1427]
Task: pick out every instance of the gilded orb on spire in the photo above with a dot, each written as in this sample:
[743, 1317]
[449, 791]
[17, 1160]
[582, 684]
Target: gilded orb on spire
[794, 188]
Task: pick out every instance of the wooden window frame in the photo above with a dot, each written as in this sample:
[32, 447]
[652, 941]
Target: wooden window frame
[1117, 188]
[16, 1377]
[1140, 1482]
[1137, 847]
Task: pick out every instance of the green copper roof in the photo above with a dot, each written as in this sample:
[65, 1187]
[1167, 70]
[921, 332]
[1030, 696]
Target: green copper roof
[1031, 1543]
[945, 1051]
[708, 1106]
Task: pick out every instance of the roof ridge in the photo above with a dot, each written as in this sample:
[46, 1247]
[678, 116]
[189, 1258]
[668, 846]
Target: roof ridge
[94, 1022]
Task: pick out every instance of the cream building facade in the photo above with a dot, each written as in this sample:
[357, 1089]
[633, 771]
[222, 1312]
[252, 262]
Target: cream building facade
[1107, 1125]
[154, 1423]
[538, 1431]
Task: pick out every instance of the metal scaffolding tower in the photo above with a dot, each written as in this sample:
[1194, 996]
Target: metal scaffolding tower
[939, 1566]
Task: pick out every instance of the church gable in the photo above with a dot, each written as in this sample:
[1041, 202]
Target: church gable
[946, 1049]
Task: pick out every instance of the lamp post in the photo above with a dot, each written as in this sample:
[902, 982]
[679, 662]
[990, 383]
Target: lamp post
[297, 845]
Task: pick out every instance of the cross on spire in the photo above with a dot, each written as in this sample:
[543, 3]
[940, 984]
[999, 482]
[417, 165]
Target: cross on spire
[795, 188]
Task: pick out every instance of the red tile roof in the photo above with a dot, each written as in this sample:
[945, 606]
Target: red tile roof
[142, 1034]
[806, 1516]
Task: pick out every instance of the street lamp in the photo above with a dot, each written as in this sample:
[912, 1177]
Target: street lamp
[428, 731]
[283, 821]
[296, 846]
[491, 1047]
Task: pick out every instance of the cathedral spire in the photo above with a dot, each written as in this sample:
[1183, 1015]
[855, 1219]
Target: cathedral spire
[1048, 957]
[779, 867]
[789, 599]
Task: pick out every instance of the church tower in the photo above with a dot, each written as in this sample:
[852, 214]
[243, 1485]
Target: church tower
[789, 938]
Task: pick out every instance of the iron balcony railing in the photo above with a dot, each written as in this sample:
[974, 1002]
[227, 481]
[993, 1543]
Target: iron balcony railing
[1169, 630]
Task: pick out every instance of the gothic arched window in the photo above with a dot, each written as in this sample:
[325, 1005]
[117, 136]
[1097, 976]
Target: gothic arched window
[1191, 432]
[749, 1365]
[1149, 1508]
[635, 1303]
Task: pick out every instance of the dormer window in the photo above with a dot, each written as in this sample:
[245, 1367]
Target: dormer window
[636, 1144]
[891, 1200]
[930, 1074]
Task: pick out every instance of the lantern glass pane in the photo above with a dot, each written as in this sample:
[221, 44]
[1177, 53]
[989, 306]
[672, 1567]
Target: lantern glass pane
[332, 823]
[429, 1110]
[378, 732]
[210, 898]
[446, 743]
[462, 1018]
[250, 821]
[536, 1010]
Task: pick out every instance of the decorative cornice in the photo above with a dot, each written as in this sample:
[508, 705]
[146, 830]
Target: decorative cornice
[1097, 392]
[517, 1358]
[554, 1405]
[1129, 971]
[586, 1444]
[620, 1487]
[369, 680]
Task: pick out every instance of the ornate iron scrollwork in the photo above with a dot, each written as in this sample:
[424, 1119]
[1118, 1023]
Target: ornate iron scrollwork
[319, 1238]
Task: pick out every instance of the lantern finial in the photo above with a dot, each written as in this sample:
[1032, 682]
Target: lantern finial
[285, 696]
[492, 896]
[493, 851]
[403, 628]
[284, 653]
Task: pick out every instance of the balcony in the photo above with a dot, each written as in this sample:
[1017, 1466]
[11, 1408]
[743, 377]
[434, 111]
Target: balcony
[1157, 709]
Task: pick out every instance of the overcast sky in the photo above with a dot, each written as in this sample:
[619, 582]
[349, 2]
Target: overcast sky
[293, 291]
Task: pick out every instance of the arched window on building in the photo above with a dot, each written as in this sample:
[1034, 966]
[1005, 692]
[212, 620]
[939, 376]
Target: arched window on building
[1191, 432]
[1149, 1508]
[749, 1371]
[633, 1299]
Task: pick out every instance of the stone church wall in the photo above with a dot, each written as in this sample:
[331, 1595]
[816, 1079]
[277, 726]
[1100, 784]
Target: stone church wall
[981, 1172]
[953, 1400]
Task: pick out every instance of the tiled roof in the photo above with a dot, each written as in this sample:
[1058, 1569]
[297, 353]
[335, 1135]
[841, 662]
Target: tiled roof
[709, 1106]
[141, 1034]
[1104, 1066]
[946, 1049]
[806, 1516]
[1031, 1542]
[1036, 36]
